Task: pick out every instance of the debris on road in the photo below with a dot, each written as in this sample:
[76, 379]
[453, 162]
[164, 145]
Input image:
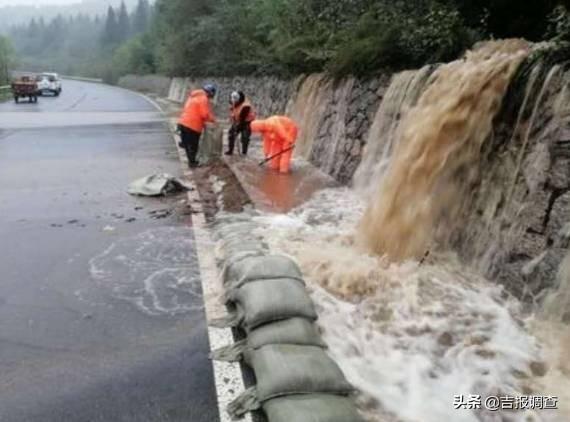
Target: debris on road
[157, 185]
[219, 188]
[160, 214]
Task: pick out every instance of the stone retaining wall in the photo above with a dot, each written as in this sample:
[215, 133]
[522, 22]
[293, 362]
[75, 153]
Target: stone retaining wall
[155, 84]
[270, 95]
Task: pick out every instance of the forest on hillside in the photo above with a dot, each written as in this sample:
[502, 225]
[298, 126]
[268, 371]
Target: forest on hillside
[283, 37]
[82, 44]
[12, 12]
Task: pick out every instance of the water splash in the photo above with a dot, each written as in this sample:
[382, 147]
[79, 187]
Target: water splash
[408, 336]
[552, 327]
[556, 306]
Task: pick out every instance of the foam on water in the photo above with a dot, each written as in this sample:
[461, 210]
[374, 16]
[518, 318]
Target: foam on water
[157, 271]
[218, 188]
[555, 340]
[410, 337]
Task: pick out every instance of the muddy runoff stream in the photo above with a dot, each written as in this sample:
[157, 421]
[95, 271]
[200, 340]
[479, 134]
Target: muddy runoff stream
[423, 336]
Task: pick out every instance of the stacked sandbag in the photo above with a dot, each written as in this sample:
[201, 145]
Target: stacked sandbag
[292, 331]
[211, 145]
[236, 239]
[311, 408]
[297, 381]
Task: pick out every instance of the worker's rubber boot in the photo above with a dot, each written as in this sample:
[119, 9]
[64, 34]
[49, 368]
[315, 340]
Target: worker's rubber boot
[231, 144]
[244, 146]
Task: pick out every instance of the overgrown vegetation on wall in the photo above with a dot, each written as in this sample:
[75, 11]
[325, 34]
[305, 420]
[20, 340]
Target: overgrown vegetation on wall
[284, 37]
[344, 36]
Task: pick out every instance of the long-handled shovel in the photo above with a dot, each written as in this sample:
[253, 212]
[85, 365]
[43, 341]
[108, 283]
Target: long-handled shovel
[276, 155]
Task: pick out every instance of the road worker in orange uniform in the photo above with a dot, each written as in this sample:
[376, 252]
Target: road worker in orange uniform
[279, 136]
[241, 116]
[197, 112]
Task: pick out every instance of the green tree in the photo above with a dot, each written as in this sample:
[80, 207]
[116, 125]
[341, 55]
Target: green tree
[123, 30]
[299, 36]
[283, 37]
[182, 45]
[141, 17]
[33, 28]
[66, 45]
[6, 58]
[559, 24]
[111, 33]
[508, 18]
[134, 57]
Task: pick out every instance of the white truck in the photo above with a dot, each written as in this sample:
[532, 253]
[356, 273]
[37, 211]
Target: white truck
[49, 83]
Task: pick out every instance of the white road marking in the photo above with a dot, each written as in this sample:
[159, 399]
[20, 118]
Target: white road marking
[24, 120]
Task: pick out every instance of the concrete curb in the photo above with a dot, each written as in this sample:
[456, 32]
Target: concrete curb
[228, 377]
[249, 263]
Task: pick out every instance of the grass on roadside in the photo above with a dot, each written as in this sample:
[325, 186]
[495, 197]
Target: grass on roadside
[5, 94]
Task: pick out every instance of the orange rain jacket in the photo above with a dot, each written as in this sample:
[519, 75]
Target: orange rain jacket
[236, 113]
[279, 134]
[278, 129]
[197, 111]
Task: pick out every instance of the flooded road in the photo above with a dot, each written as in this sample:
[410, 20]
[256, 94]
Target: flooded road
[101, 313]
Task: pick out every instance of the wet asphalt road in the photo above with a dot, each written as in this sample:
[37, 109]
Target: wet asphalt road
[101, 315]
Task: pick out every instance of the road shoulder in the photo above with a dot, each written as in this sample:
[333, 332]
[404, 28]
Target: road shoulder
[228, 377]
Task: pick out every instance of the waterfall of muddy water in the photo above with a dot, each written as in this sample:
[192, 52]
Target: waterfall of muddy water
[486, 240]
[402, 94]
[410, 337]
[421, 193]
[307, 109]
